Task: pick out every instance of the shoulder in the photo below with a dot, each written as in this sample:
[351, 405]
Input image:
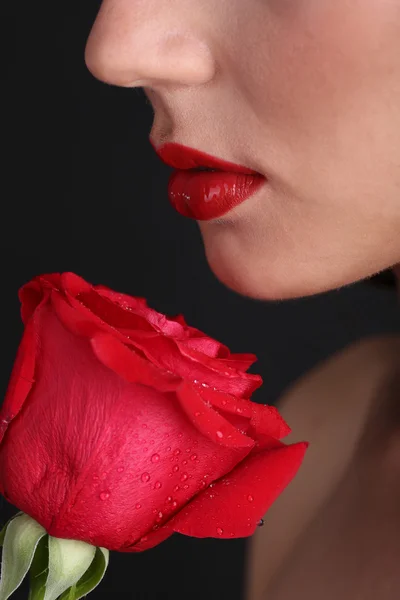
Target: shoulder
[329, 407]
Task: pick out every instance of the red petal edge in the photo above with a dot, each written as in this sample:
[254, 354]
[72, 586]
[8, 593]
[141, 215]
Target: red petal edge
[233, 506]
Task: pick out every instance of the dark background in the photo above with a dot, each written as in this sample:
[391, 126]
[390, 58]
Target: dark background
[83, 191]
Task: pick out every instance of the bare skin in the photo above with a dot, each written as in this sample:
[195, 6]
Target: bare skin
[306, 92]
[334, 532]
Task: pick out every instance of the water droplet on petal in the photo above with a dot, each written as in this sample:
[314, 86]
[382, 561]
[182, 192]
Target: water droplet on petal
[104, 495]
[184, 476]
[184, 462]
[175, 469]
[177, 488]
[169, 449]
[220, 434]
[155, 458]
[95, 477]
[250, 498]
[145, 477]
[197, 414]
[169, 499]
[177, 452]
[120, 469]
[193, 457]
[144, 426]
[260, 523]
[174, 504]
[157, 485]
[137, 506]
[185, 487]
[220, 531]
[160, 515]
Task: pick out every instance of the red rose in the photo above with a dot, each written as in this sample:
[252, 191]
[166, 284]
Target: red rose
[122, 426]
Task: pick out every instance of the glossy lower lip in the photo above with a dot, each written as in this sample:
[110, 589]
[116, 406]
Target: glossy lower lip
[204, 195]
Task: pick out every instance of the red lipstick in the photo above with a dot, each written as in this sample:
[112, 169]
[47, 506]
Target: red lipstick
[203, 187]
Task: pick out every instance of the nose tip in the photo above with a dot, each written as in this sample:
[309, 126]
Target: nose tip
[130, 52]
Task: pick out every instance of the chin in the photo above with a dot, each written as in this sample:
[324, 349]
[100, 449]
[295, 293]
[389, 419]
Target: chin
[261, 277]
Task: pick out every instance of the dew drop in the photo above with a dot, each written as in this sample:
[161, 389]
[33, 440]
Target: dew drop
[193, 457]
[104, 495]
[144, 539]
[260, 523]
[145, 477]
[220, 531]
[177, 488]
[184, 462]
[174, 504]
[175, 469]
[224, 402]
[160, 515]
[120, 469]
[144, 426]
[185, 487]
[119, 529]
[184, 476]
[157, 485]
[197, 414]
[169, 449]
[95, 477]
[137, 506]
[250, 498]
[155, 458]
[220, 434]
[169, 499]
[177, 452]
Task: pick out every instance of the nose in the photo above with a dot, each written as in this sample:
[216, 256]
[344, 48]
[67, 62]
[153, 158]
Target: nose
[149, 43]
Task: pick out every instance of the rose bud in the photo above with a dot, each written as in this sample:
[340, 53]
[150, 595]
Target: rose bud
[122, 426]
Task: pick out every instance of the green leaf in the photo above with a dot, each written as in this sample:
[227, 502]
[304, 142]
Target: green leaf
[68, 561]
[91, 578]
[39, 570]
[3, 531]
[20, 541]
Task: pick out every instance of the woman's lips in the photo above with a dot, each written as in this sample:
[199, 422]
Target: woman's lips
[205, 195]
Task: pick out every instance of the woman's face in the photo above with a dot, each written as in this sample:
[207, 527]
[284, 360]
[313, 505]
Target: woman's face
[307, 92]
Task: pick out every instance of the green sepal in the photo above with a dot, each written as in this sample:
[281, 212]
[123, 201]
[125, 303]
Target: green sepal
[91, 578]
[20, 541]
[39, 570]
[3, 531]
[68, 562]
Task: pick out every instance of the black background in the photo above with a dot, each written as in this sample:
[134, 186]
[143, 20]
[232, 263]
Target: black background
[83, 191]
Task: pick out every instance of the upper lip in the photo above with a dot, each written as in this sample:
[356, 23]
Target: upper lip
[184, 157]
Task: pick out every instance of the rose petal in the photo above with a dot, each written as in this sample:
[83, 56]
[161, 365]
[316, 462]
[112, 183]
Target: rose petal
[150, 540]
[130, 366]
[30, 296]
[233, 505]
[208, 421]
[22, 377]
[264, 419]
